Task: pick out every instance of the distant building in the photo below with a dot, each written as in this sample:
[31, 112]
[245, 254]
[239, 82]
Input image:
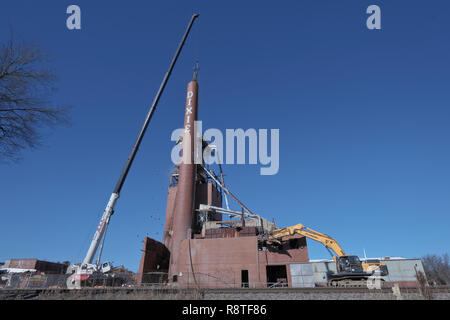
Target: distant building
[34, 265]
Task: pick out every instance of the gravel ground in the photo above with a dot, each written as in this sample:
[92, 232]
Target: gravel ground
[319, 296]
[133, 294]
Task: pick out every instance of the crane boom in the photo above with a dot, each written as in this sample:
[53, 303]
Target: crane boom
[109, 210]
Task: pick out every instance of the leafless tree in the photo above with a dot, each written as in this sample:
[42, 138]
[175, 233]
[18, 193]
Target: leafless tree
[423, 285]
[437, 269]
[26, 86]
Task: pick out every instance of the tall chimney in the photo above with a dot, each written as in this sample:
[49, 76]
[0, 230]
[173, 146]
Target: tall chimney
[184, 200]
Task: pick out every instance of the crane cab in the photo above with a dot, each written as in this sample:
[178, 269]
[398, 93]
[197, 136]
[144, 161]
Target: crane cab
[106, 267]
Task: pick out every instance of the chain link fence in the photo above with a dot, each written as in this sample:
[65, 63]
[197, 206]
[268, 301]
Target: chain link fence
[224, 279]
[197, 280]
[32, 281]
[60, 281]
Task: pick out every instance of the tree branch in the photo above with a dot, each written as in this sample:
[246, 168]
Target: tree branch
[26, 84]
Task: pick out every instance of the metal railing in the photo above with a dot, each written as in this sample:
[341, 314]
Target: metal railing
[59, 281]
[207, 281]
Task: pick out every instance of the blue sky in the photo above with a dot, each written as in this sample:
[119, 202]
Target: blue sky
[363, 118]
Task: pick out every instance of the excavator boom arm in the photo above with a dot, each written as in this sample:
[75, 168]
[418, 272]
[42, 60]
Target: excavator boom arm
[348, 267]
[300, 229]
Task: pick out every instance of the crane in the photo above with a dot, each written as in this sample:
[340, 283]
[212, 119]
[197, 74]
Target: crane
[81, 272]
[350, 269]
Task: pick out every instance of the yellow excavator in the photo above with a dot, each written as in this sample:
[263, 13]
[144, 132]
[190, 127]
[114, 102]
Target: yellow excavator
[350, 270]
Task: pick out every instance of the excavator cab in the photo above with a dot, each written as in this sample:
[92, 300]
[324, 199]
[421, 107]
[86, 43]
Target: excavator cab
[349, 272]
[349, 264]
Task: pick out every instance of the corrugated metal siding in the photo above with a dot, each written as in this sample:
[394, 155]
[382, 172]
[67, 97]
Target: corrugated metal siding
[321, 270]
[402, 270]
[302, 275]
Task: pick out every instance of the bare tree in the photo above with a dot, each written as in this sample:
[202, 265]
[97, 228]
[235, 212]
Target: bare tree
[26, 85]
[423, 285]
[437, 269]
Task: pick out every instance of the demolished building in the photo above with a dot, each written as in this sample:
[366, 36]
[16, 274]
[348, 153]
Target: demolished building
[206, 245]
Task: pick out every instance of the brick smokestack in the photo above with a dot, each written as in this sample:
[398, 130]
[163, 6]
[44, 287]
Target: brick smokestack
[185, 195]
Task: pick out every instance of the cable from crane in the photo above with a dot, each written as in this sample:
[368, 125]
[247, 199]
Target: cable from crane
[192, 267]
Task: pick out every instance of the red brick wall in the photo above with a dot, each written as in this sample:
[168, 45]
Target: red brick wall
[218, 262]
[23, 263]
[39, 265]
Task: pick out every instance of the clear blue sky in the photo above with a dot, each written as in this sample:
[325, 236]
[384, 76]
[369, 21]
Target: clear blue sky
[363, 118]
